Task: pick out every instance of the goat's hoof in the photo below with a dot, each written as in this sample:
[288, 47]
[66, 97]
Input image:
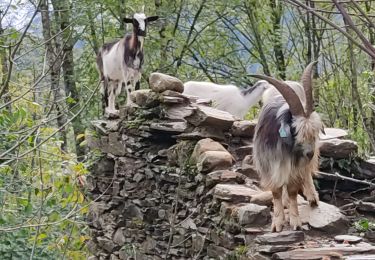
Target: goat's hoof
[276, 228]
[277, 224]
[313, 203]
[313, 200]
[295, 223]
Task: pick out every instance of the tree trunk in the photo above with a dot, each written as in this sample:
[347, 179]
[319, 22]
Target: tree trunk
[4, 66]
[353, 81]
[122, 16]
[276, 15]
[258, 43]
[163, 38]
[64, 15]
[316, 43]
[94, 38]
[372, 79]
[54, 62]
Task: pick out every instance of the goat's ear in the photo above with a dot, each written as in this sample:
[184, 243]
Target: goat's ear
[152, 18]
[128, 20]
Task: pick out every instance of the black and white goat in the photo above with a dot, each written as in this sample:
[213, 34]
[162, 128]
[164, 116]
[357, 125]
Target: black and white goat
[286, 145]
[120, 62]
[227, 97]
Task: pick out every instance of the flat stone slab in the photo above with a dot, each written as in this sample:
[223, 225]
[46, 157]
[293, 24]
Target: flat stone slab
[208, 116]
[325, 218]
[106, 126]
[177, 112]
[270, 249]
[281, 238]
[331, 133]
[262, 198]
[244, 128]
[348, 238]
[368, 167]
[170, 127]
[234, 192]
[321, 253]
[202, 132]
[338, 148]
[224, 176]
[361, 257]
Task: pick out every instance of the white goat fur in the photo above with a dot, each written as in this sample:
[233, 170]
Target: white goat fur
[115, 68]
[226, 97]
[120, 62]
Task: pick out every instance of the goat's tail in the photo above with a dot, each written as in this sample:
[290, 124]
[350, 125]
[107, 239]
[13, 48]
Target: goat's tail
[99, 64]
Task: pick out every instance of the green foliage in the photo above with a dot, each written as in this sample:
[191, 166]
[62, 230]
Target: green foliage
[364, 225]
[239, 252]
[42, 202]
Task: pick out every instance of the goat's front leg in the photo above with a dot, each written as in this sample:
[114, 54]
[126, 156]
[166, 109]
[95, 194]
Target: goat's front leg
[309, 191]
[278, 218]
[111, 109]
[294, 219]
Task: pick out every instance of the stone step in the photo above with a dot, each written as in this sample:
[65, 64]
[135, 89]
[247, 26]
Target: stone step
[280, 238]
[235, 193]
[324, 252]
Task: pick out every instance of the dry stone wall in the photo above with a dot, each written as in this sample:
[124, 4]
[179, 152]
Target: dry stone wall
[175, 181]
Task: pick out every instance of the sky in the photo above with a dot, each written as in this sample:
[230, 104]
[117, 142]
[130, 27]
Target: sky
[18, 14]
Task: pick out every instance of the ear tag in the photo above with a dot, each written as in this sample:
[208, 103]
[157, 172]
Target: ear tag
[282, 132]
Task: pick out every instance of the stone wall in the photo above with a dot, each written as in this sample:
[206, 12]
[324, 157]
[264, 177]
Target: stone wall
[175, 181]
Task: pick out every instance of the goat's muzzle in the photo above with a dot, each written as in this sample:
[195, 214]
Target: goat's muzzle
[310, 155]
[141, 33]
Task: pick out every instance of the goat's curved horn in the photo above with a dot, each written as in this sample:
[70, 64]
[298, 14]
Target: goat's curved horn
[295, 105]
[307, 86]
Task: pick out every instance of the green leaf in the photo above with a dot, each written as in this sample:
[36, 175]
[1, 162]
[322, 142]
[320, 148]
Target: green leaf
[70, 101]
[28, 208]
[80, 136]
[54, 216]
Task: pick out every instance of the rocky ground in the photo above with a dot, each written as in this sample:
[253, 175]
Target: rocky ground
[175, 180]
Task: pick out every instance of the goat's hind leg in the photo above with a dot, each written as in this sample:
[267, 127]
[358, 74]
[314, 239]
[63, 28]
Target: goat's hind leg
[104, 91]
[278, 218]
[294, 219]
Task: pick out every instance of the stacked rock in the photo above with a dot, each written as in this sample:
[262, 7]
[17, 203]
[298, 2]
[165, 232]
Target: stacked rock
[175, 180]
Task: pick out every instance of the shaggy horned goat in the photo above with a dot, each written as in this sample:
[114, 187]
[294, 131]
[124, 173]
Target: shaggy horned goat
[120, 62]
[286, 145]
[227, 97]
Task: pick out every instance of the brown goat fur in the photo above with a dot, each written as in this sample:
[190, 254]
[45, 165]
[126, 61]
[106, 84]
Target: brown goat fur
[286, 148]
